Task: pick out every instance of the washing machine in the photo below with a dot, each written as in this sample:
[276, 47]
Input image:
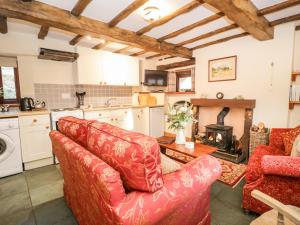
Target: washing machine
[10, 150]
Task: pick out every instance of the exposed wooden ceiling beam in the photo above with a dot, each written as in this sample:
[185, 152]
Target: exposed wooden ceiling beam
[187, 8]
[46, 15]
[43, 32]
[138, 53]
[192, 26]
[126, 12]
[221, 40]
[76, 39]
[209, 34]
[123, 49]
[3, 24]
[244, 13]
[285, 20]
[297, 28]
[101, 45]
[79, 7]
[154, 56]
[278, 7]
[189, 62]
[168, 57]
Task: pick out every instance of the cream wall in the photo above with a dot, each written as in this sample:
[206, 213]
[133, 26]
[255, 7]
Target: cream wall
[256, 78]
[31, 69]
[294, 114]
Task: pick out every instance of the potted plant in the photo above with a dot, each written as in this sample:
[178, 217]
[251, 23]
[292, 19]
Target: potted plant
[179, 117]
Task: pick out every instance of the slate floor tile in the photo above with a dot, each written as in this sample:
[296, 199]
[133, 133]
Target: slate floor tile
[46, 193]
[23, 217]
[52, 212]
[12, 185]
[42, 176]
[14, 203]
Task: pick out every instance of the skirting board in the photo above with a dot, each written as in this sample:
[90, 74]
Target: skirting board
[38, 163]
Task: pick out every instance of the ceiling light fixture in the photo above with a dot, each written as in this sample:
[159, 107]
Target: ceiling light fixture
[151, 13]
[88, 37]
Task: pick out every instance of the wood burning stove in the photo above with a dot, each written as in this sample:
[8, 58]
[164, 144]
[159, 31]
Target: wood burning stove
[219, 136]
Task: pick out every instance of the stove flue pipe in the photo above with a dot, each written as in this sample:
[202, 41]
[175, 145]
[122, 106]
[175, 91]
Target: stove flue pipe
[221, 116]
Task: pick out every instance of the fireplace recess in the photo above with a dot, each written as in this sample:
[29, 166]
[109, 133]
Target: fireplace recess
[220, 135]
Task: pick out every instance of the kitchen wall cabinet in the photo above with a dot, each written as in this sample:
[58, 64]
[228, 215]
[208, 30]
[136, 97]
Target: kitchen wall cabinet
[106, 68]
[35, 141]
[141, 120]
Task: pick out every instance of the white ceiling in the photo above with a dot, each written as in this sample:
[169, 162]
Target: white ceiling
[107, 10]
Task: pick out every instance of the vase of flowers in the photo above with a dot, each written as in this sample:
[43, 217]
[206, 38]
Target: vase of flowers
[179, 117]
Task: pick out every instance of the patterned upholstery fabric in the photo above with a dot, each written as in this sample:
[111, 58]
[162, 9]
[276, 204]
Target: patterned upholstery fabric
[74, 128]
[134, 155]
[281, 165]
[268, 173]
[289, 138]
[95, 193]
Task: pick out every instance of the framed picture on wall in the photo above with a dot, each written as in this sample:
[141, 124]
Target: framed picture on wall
[222, 69]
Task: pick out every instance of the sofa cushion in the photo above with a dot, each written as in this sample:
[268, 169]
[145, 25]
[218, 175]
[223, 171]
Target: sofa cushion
[296, 147]
[134, 155]
[289, 138]
[74, 128]
[254, 170]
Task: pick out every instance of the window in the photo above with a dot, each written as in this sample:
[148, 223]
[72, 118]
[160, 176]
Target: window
[9, 82]
[183, 81]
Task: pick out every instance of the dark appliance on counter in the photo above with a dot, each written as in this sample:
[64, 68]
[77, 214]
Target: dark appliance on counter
[80, 97]
[156, 78]
[26, 104]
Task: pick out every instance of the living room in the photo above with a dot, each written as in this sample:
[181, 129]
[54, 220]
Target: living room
[149, 112]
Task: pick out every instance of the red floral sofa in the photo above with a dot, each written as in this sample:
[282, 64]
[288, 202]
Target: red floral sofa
[113, 176]
[273, 173]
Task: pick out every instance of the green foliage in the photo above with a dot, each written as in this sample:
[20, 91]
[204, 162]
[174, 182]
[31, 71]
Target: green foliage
[178, 117]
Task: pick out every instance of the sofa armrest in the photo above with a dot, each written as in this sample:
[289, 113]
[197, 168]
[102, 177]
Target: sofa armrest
[281, 165]
[276, 139]
[190, 183]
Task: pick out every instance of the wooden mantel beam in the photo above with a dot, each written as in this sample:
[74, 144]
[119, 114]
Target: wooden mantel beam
[46, 15]
[79, 7]
[126, 12]
[245, 14]
[189, 62]
[3, 24]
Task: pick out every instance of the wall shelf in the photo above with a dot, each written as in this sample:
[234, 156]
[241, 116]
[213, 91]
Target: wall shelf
[293, 103]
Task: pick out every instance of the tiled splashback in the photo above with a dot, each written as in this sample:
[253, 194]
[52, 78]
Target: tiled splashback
[63, 96]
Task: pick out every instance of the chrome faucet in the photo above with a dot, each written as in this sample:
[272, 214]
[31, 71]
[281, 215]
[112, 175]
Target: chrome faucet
[108, 102]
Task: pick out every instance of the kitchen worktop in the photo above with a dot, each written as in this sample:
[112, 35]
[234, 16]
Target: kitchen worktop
[16, 113]
[119, 107]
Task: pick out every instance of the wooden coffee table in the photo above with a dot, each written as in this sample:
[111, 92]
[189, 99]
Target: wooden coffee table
[199, 149]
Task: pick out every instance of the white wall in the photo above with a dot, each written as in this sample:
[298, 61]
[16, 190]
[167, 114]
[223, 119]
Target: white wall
[255, 77]
[31, 69]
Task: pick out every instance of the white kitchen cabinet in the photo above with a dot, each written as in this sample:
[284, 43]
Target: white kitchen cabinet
[141, 120]
[120, 69]
[117, 117]
[35, 141]
[88, 67]
[106, 68]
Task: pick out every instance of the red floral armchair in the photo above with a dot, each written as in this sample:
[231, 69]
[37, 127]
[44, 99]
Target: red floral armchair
[113, 177]
[272, 172]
